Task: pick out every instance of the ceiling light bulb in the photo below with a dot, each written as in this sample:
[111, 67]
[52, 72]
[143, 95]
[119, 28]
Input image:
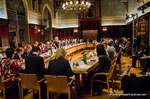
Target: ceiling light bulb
[77, 2]
[82, 2]
[66, 3]
[71, 2]
[63, 5]
[87, 3]
[130, 15]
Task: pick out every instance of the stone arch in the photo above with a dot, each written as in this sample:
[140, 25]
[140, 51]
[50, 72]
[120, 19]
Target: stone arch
[50, 12]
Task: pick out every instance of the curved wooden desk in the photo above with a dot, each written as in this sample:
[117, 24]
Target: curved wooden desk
[73, 49]
[78, 71]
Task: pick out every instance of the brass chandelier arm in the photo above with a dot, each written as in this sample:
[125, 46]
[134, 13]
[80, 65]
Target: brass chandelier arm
[76, 6]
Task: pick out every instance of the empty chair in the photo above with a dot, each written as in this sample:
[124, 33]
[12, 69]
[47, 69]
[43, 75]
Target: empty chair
[30, 82]
[109, 78]
[58, 84]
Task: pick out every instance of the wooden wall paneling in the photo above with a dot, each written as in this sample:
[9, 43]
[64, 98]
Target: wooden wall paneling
[0, 39]
[4, 42]
[117, 31]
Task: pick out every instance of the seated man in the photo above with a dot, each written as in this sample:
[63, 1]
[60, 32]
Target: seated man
[136, 57]
[140, 54]
[146, 64]
[110, 50]
[34, 64]
[18, 55]
[132, 84]
[27, 51]
[48, 47]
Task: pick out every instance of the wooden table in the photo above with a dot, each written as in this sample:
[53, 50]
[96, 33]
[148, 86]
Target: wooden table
[78, 71]
[73, 49]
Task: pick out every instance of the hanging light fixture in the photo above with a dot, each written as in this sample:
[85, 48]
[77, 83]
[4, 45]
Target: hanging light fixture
[76, 6]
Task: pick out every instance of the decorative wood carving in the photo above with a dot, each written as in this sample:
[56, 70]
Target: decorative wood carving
[57, 5]
[4, 22]
[39, 4]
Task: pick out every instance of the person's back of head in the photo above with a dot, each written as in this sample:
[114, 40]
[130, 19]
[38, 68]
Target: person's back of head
[100, 50]
[20, 50]
[40, 44]
[36, 50]
[10, 53]
[60, 53]
[28, 48]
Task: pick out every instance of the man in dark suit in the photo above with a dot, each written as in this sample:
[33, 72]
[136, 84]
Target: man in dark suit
[34, 64]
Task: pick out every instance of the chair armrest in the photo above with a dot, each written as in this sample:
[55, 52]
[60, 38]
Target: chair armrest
[71, 82]
[100, 74]
[45, 82]
[41, 80]
[6, 80]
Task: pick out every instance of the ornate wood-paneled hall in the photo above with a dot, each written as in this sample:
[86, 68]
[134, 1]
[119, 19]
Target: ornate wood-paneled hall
[74, 49]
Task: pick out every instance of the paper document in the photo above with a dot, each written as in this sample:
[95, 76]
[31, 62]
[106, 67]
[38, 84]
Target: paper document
[71, 64]
[82, 65]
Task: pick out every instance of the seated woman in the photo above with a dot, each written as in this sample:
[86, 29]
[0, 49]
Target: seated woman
[104, 64]
[104, 60]
[10, 67]
[60, 66]
[18, 55]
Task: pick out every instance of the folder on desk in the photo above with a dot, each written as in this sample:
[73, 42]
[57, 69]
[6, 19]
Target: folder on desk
[82, 65]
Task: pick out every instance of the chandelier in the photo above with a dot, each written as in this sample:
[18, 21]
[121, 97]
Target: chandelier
[76, 6]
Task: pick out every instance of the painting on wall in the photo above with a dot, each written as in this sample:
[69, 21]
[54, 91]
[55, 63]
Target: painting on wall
[143, 27]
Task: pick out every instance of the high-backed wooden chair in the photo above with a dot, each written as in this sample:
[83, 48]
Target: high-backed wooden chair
[58, 84]
[30, 82]
[114, 61]
[2, 87]
[109, 78]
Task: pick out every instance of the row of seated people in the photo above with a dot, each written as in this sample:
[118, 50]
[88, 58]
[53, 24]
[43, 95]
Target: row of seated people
[142, 56]
[57, 44]
[123, 43]
[131, 84]
[34, 64]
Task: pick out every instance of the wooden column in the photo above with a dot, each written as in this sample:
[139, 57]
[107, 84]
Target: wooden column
[149, 27]
[133, 29]
[0, 39]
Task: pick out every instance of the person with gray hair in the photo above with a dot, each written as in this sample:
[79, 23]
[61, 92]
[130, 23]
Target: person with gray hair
[27, 51]
[110, 50]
